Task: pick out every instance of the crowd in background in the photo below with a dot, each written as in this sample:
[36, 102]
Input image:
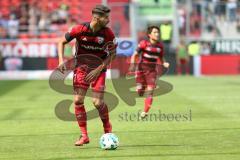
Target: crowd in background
[33, 19]
[205, 15]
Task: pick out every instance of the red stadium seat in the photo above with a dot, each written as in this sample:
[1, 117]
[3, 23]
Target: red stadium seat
[24, 36]
[44, 35]
[15, 3]
[74, 11]
[53, 35]
[75, 2]
[5, 11]
[67, 2]
[4, 3]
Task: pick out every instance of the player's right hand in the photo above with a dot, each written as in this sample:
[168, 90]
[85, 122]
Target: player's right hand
[62, 68]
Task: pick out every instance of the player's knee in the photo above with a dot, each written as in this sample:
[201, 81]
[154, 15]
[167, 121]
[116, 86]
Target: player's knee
[149, 91]
[97, 102]
[140, 89]
[140, 92]
[78, 100]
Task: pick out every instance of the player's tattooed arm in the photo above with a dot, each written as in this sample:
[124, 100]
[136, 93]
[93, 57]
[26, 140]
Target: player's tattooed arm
[110, 48]
[109, 59]
[96, 72]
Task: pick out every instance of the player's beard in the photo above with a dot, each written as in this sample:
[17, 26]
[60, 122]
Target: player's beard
[103, 24]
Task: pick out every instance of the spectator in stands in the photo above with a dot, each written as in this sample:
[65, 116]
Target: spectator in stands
[205, 48]
[23, 21]
[14, 10]
[13, 27]
[231, 10]
[34, 15]
[181, 20]
[62, 14]
[210, 22]
[195, 23]
[220, 9]
[3, 27]
[44, 22]
[54, 17]
[3, 32]
[238, 26]
[238, 19]
[197, 6]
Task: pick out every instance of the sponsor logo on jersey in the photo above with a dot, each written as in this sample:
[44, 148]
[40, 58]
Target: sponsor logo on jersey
[158, 50]
[100, 40]
[91, 47]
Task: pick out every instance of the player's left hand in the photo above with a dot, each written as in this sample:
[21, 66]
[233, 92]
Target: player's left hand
[166, 64]
[93, 75]
[132, 68]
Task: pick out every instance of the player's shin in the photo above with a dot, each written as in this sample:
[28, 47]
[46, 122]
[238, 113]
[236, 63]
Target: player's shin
[81, 117]
[103, 113]
[148, 103]
[148, 100]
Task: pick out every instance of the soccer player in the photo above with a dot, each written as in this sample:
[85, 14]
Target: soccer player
[145, 61]
[91, 40]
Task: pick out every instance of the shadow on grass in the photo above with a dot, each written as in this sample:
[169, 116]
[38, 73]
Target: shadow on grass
[147, 155]
[7, 86]
[13, 114]
[121, 132]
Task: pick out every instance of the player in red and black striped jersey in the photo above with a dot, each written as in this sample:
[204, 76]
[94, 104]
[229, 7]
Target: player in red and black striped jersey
[95, 49]
[148, 56]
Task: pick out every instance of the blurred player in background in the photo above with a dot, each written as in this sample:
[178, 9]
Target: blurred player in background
[146, 61]
[95, 49]
[182, 58]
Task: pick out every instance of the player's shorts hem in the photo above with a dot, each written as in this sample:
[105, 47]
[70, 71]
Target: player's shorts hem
[98, 91]
[152, 85]
[81, 86]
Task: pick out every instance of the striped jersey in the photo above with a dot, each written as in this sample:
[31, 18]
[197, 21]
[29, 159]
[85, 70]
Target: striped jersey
[150, 52]
[89, 42]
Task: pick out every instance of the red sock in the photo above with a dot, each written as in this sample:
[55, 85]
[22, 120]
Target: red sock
[148, 103]
[103, 113]
[81, 117]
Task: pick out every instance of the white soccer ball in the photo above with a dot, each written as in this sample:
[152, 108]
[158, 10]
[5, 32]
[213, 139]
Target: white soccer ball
[109, 141]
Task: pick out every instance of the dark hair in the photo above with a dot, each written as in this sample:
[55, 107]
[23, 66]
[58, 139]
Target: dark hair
[150, 28]
[100, 10]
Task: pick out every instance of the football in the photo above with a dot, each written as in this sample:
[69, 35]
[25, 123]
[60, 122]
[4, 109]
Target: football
[109, 141]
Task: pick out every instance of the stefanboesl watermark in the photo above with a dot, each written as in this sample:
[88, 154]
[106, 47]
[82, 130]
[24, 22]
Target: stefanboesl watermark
[156, 117]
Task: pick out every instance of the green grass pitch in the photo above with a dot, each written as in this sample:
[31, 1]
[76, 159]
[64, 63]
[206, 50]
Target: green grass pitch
[29, 128]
